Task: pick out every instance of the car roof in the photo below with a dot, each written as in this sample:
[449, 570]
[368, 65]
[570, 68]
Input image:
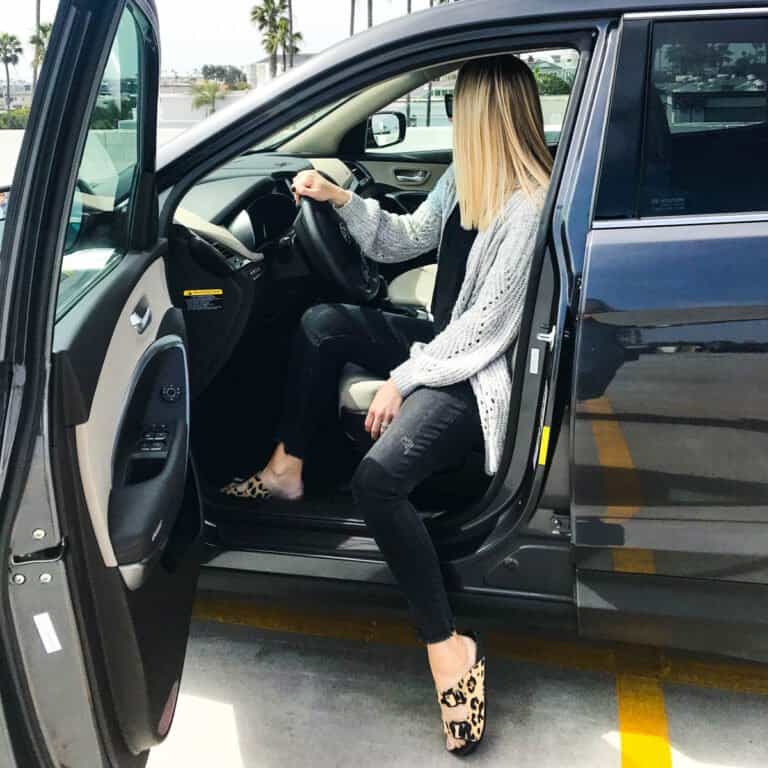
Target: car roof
[526, 9]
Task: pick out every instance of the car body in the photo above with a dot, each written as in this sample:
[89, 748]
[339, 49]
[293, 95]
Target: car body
[631, 495]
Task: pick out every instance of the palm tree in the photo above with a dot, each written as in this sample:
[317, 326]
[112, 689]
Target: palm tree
[10, 50]
[205, 94]
[283, 36]
[352, 18]
[295, 39]
[291, 37]
[288, 42]
[40, 41]
[267, 18]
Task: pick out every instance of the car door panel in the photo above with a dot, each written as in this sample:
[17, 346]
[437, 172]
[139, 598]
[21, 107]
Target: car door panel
[116, 565]
[142, 512]
[643, 343]
[97, 435]
[668, 511]
[150, 460]
[404, 174]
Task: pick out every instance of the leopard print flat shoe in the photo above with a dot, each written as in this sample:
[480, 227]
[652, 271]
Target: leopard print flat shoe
[468, 692]
[252, 488]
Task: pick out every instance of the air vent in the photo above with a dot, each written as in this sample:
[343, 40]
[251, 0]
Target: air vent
[361, 175]
[230, 255]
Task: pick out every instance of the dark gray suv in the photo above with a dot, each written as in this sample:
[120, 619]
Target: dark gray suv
[147, 299]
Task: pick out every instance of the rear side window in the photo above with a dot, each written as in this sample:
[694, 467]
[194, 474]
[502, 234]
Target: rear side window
[706, 123]
[703, 138]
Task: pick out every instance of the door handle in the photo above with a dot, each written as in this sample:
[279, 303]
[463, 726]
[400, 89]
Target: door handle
[405, 176]
[141, 317]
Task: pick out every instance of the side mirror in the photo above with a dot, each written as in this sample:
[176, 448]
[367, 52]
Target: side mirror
[385, 129]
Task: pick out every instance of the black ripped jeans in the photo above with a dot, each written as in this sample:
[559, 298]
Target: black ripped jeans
[435, 429]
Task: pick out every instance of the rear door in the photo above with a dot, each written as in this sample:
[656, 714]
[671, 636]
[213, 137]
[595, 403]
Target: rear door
[670, 517]
[100, 506]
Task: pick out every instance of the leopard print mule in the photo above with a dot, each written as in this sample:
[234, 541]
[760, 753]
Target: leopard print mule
[469, 691]
[251, 488]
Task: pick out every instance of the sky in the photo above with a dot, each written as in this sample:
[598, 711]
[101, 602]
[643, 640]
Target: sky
[193, 33]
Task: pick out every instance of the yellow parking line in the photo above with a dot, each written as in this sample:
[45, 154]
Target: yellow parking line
[602, 658]
[613, 453]
[641, 710]
[642, 723]
[639, 695]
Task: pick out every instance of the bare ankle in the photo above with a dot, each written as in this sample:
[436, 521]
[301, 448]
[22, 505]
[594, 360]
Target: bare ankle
[283, 470]
[449, 658]
[283, 465]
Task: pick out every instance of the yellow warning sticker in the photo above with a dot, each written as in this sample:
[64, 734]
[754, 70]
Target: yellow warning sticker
[205, 292]
[544, 447]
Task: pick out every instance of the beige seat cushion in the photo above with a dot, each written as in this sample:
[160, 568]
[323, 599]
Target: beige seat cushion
[414, 288]
[357, 388]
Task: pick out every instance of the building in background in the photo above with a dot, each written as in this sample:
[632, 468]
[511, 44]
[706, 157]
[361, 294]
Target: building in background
[21, 94]
[175, 110]
[258, 72]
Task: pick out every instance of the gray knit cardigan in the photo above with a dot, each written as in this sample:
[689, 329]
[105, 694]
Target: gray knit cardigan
[486, 317]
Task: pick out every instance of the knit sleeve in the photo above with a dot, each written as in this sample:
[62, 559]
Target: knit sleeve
[489, 326]
[389, 237]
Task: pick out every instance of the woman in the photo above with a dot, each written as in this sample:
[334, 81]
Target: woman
[453, 386]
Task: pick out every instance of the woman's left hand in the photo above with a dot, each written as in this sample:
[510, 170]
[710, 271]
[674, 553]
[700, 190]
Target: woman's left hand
[385, 406]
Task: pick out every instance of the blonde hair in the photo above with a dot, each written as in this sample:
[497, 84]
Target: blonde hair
[498, 137]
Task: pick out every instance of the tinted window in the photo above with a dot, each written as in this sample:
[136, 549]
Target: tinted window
[97, 221]
[706, 119]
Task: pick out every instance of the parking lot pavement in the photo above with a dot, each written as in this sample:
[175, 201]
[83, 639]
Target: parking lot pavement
[264, 687]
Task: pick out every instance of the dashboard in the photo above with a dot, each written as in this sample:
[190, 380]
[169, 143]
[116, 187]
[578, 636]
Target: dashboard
[247, 204]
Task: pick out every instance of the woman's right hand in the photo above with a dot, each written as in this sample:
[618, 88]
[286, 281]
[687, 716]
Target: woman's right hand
[314, 185]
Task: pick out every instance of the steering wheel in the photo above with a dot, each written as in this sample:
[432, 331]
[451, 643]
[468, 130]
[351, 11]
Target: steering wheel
[333, 252]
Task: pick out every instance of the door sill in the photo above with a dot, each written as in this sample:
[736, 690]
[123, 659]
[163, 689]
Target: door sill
[349, 567]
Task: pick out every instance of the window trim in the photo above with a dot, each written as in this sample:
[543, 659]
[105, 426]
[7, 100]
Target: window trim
[718, 12]
[143, 216]
[630, 64]
[695, 219]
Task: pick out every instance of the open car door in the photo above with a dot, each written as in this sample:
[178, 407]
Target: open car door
[100, 508]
